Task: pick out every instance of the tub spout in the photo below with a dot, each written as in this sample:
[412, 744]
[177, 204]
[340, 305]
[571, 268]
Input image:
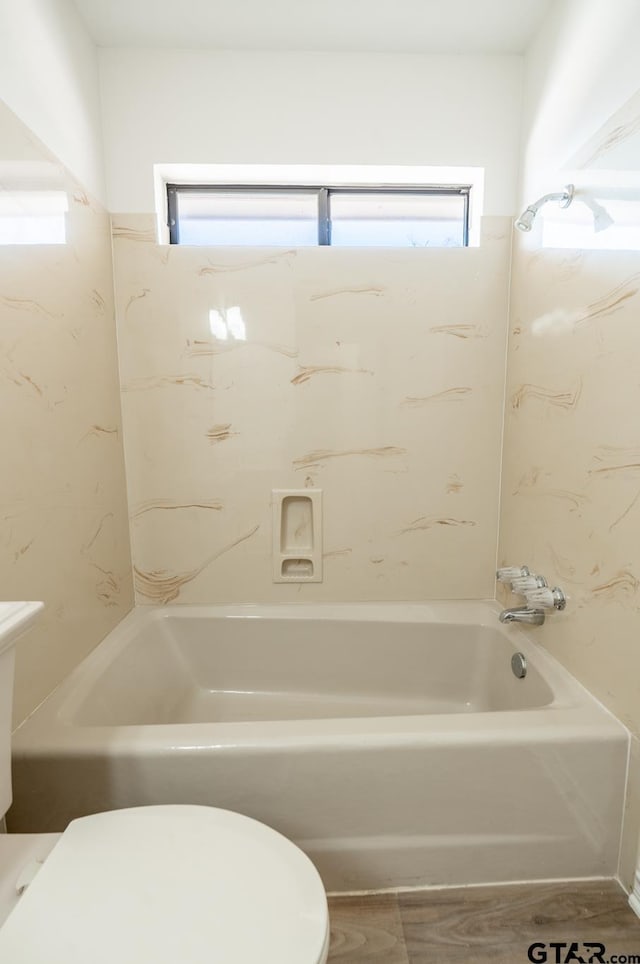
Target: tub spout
[523, 614]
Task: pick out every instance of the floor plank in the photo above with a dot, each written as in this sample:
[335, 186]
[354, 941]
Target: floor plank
[367, 930]
[496, 924]
[482, 925]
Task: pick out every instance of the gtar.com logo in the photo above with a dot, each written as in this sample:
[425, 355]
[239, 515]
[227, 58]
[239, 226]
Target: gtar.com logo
[563, 952]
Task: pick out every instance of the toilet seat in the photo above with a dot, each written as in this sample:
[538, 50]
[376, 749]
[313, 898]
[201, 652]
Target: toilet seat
[170, 885]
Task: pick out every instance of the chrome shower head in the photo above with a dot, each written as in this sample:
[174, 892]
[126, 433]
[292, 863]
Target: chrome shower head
[528, 216]
[526, 219]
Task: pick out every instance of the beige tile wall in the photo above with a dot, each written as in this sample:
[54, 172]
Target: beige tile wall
[63, 530]
[376, 376]
[571, 481]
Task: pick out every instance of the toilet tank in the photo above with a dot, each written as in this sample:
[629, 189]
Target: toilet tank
[15, 619]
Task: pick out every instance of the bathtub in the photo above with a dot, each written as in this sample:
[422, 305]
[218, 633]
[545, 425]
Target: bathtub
[391, 742]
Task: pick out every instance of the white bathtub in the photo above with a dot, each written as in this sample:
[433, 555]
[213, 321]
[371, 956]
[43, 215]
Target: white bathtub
[391, 742]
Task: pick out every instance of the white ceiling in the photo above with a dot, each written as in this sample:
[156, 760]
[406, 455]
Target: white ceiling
[397, 26]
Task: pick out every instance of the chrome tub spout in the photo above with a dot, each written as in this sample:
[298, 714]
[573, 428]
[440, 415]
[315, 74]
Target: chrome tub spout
[523, 614]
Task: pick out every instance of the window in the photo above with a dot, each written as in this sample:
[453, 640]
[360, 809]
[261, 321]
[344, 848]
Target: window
[340, 216]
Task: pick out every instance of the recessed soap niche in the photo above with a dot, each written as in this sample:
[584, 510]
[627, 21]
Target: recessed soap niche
[297, 535]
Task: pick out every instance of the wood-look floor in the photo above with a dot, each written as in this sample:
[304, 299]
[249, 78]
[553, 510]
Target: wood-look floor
[482, 925]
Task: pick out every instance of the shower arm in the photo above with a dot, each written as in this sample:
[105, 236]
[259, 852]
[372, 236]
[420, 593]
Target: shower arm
[563, 197]
[528, 216]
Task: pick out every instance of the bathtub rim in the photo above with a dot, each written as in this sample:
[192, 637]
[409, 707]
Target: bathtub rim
[573, 713]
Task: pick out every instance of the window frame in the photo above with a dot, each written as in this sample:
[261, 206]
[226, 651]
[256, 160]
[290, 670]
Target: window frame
[324, 193]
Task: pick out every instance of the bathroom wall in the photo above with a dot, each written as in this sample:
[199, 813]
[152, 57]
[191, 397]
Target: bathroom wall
[64, 533]
[49, 79]
[571, 480]
[282, 107]
[571, 484]
[579, 70]
[375, 375]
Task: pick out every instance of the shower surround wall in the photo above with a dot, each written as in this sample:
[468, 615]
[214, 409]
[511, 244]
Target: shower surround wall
[571, 483]
[571, 461]
[64, 533]
[374, 375]
[571, 479]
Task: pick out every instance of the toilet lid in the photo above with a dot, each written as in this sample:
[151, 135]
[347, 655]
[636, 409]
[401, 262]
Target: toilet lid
[170, 885]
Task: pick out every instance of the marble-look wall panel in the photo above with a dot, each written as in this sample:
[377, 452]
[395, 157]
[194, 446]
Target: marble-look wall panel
[64, 528]
[375, 375]
[571, 476]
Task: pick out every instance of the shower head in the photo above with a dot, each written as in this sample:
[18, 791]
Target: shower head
[526, 219]
[528, 216]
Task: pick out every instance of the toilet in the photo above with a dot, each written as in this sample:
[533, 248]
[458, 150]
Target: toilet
[153, 885]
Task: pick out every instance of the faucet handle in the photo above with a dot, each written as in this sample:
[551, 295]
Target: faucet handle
[547, 598]
[524, 584]
[509, 573]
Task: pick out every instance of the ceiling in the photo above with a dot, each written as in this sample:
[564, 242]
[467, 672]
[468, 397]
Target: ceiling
[394, 26]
